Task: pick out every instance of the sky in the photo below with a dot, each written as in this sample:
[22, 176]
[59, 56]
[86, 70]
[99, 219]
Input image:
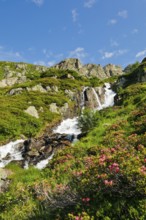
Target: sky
[45, 32]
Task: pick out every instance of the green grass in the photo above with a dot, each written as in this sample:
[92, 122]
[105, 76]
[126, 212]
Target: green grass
[102, 176]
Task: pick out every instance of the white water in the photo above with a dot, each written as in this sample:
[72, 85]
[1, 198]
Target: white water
[68, 126]
[10, 150]
[43, 163]
[109, 96]
[97, 99]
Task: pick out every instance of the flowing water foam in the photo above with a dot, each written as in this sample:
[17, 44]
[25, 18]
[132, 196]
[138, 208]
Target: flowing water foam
[9, 152]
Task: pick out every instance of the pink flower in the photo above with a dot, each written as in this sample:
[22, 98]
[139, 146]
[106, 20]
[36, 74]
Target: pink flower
[114, 167]
[86, 199]
[108, 182]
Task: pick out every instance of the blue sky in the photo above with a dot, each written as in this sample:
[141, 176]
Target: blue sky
[95, 31]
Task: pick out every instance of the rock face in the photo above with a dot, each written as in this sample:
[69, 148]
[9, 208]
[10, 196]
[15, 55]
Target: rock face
[71, 64]
[113, 70]
[90, 70]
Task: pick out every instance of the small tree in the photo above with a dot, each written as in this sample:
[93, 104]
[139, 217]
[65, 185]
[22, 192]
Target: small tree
[87, 120]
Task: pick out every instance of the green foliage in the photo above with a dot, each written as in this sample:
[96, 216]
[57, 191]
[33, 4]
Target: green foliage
[87, 120]
[102, 176]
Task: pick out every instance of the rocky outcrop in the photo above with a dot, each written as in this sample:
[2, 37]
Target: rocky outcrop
[112, 70]
[36, 150]
[70, 64]
[31, 110]
[37, 88]
[90, 70]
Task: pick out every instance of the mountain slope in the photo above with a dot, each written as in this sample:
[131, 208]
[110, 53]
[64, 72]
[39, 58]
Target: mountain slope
[102, 176]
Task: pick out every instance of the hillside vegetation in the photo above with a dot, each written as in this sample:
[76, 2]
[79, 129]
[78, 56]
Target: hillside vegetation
[102, 176]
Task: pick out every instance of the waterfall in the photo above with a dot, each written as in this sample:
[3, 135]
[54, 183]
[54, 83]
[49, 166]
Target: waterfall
[109, 96]
[97, 99]
[83, 98]
[68, 126]
[10, 152]
[13, 150]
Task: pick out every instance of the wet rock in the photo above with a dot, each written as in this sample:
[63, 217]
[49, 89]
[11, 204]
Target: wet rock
[39, 149]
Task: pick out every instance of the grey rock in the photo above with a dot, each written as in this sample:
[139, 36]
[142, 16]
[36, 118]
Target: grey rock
[54, 108]
[31, 110]
[15, 91]
[54, 88]
[48, 88]
[71, 64]
[112, 70]
[70, 94]
[38, 88]
[90, 70]
[64, 109]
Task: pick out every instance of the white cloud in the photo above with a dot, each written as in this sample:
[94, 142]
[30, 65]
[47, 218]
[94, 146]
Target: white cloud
[79, 53]
[141, 53]
[89, 3]
[116, 53]
[123, 14]
[112, 21]
[38, 2]
[74, 15]
[51, 63]
[121, 52]
[135, 31]
[10, 55]
[107, 55]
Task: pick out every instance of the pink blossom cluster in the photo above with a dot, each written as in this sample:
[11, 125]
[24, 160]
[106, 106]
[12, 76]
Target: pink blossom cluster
[114, 167]
[108, 182]
[87, 199]
[143, 170]
[78, 218]
[102, 159]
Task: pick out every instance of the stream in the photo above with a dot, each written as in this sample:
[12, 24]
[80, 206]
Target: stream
[13, 150]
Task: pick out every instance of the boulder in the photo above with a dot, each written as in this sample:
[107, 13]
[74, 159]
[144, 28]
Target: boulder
[31, 110]
[15, 91]
[54, 108]
[37, 88]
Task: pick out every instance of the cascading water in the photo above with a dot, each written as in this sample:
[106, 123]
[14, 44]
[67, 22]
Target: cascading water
[68, 126]
[43, 163]
[97, 99]
[13, 150]
[109, 96]
[10, 152]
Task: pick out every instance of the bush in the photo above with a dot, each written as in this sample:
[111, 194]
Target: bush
[87, 120]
